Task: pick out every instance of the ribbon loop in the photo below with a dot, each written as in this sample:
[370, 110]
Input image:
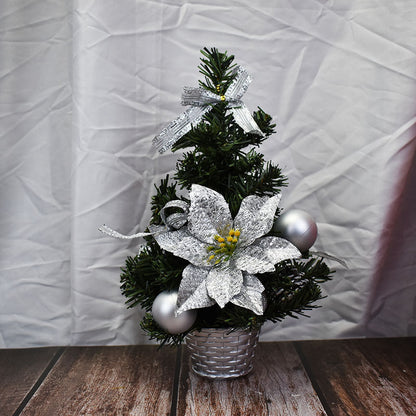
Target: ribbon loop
[177, 219]
[201, 102]
[240, 84]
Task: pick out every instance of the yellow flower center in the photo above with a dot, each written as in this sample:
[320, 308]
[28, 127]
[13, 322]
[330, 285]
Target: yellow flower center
[223, 247]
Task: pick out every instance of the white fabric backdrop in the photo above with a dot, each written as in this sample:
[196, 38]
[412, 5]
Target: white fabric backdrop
[85, 86]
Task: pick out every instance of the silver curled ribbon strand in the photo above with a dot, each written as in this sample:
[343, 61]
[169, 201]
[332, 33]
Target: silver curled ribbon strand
[177, 219]
[172, 221]
[200, 101]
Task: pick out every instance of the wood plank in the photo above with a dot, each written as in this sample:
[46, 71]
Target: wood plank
[128, 380]
[19, 371]
[364, 377]
[278, 385]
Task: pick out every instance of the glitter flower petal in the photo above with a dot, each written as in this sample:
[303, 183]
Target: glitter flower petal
[255, 217]
[181, 244]
[253, 259]
[223, 283]
[251, 295]
[208, 213]
[193, 293]
[277, 249]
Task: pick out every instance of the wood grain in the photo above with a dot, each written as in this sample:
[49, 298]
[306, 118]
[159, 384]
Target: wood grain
[19, 371]
[364, 377]
[132, 380]
[278, 385]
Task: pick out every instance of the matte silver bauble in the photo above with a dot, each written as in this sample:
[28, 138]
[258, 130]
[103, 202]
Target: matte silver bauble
[298, 227]
[163, 311]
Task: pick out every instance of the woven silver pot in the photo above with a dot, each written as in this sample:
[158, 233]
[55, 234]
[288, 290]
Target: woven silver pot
[222, 353]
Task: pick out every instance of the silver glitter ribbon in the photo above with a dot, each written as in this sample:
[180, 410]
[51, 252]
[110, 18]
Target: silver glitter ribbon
[112, 233]
[172, 222]
[201, 102]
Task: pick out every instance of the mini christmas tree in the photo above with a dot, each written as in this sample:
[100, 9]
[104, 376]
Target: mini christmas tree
[214, 239]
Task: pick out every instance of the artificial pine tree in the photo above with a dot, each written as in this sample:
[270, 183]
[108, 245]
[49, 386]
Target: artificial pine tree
[220, 155]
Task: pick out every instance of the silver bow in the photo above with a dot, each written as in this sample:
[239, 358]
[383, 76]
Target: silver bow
[201, 102]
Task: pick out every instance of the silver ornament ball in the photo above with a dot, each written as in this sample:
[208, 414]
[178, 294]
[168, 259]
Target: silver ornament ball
[163, 311]
[298, 227]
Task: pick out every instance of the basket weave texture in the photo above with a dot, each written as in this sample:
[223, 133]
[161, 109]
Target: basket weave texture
[222, 353]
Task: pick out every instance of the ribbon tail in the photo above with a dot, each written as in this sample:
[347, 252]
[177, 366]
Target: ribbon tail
[112, 233]
[245, 120]
[179, 127]
[329, 257]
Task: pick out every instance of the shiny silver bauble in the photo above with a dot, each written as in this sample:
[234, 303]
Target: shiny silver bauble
[164, 309]
[298, 227]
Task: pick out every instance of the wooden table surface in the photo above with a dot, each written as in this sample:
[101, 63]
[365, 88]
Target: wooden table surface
[338, 377]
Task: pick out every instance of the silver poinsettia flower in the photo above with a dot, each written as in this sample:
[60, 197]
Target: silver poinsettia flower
[225, 254]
